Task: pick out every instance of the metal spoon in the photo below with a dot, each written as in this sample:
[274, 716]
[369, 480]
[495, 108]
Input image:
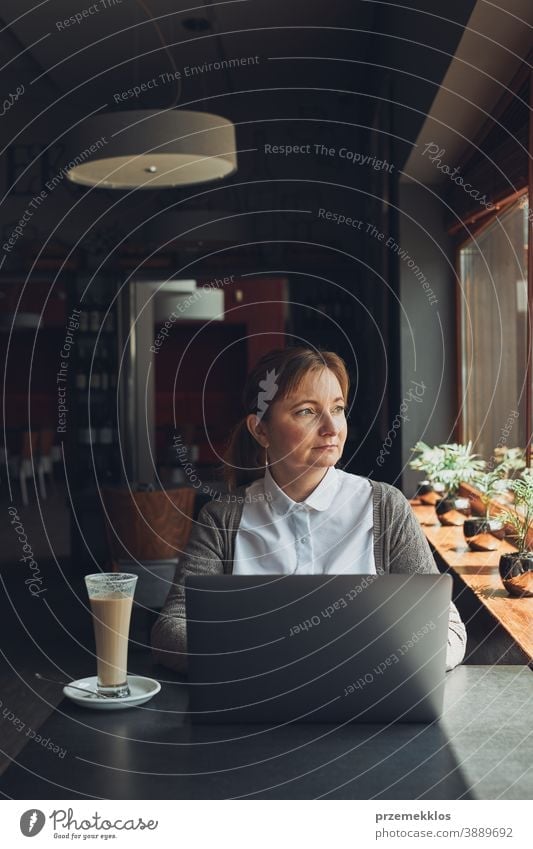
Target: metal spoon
[73, 686]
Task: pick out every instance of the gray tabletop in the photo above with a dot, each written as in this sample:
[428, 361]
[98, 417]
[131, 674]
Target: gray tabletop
[481, 748]
[486, 713]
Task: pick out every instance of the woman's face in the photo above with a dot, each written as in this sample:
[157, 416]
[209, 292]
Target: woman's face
[307, 429]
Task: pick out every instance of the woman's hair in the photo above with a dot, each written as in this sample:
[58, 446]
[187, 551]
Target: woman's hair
[276, 375]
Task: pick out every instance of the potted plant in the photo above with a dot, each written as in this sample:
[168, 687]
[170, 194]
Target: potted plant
[459, 465]
[513, 460]
[430, 461]
[483, 532]
[516, 569]
[510, 459]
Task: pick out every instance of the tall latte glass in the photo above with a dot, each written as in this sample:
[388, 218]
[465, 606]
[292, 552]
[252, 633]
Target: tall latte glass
[111, 599]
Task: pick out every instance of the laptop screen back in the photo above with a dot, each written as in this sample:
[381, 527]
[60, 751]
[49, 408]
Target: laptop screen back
[317, 648]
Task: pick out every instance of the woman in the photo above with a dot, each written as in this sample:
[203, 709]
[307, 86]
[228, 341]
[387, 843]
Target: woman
[290, 510]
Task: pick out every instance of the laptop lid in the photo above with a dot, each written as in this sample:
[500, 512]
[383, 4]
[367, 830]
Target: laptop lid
[317, 648]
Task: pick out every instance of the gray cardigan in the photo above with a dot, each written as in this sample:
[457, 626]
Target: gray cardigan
[399, 546]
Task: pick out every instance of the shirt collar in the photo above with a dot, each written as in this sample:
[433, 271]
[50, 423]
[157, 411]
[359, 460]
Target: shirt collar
[319, 499]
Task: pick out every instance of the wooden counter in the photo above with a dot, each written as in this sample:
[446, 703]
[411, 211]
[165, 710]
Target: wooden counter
[479, 571]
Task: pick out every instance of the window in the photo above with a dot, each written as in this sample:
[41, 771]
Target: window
[493, 313]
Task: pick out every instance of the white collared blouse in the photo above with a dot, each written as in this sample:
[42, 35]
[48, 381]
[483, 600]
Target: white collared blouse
[331, 532]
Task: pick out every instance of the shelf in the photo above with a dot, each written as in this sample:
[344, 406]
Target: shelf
[479, 571]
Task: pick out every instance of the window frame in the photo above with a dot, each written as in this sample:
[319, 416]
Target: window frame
[475, 224]
[502, 206]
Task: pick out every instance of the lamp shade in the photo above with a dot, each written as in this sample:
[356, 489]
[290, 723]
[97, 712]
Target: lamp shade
[151, 149]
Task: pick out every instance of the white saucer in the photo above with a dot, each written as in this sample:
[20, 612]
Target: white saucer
[141, 690]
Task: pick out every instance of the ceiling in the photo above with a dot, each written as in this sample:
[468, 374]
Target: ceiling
[136, 40]
[492, 49]
[321, 57]
[285, 71]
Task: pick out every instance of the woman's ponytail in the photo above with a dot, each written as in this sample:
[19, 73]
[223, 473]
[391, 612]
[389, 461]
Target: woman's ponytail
[245, 459]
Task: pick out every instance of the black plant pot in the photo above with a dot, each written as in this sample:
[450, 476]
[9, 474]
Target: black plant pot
[430, 493]
[516, 572]
[452, 510]
[483, 534]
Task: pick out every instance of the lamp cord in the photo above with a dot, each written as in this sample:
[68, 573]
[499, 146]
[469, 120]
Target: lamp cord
[166, 48]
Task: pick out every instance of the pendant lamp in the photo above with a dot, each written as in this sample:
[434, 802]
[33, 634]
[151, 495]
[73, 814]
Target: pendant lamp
[151, 149]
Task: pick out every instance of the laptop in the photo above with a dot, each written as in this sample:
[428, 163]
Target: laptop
[317, 648]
